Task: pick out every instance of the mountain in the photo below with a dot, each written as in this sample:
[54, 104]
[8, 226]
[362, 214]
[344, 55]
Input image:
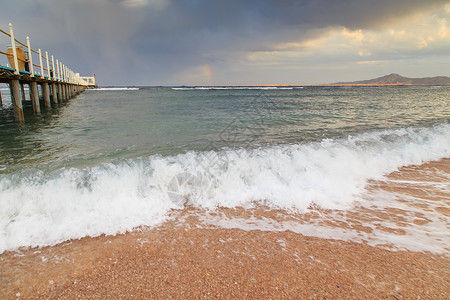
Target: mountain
[395, 79]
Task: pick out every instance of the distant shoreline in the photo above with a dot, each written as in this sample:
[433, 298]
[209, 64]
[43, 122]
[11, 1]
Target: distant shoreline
[397, 80]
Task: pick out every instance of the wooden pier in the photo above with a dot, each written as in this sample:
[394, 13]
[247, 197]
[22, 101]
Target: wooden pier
[58, 82]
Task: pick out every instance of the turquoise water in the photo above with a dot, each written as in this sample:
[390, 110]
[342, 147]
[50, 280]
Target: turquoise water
[112, 160]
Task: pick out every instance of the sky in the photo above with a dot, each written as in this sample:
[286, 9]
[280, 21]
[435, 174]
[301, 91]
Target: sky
[236, 42]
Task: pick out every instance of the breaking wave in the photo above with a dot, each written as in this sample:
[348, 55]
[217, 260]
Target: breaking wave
[40, 209]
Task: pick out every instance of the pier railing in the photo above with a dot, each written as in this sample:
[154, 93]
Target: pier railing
[47, 68]
[58, 82]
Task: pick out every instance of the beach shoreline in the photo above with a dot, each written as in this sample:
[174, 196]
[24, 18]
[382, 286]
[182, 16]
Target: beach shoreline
[191, 256]
[223, 263]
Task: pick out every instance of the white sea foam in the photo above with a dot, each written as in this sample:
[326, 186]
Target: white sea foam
[116, 89]
[235, 88]
[432, 237]
[40, 209]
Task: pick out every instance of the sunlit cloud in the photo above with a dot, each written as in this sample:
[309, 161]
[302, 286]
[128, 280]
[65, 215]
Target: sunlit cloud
[419, 36]
[158, 4]
[364, 53]
[371, 62]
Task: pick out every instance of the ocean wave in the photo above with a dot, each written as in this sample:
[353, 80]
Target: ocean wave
[41, 209]
[236, 88]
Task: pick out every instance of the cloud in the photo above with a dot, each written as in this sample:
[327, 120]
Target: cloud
[370, 62]
[156, 4]
[161, 41]
[421, 37]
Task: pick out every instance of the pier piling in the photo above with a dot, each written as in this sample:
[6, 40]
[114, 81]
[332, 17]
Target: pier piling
[22, 88]
[16, 100]
[35, 97]
[65, 96]
[54, 96]
[59, 94]
[63, 92]
[46, 95]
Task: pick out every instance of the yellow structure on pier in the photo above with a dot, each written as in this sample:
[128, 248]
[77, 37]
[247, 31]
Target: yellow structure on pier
[90, 81]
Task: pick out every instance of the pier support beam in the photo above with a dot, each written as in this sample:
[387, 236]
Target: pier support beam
[63, 91]
[23, 91]
[35, 97]
[54, 95]
[46, 94]
[58, 86]
[16, 100]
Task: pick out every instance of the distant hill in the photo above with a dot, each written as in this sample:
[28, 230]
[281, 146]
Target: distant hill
[395, 79]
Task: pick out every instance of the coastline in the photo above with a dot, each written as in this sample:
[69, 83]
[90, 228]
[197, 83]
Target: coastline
[188, 257]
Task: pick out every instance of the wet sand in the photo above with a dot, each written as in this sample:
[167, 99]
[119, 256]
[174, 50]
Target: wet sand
[187, 257]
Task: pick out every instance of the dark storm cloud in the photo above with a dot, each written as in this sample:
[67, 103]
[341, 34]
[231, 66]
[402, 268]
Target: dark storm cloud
[153, 39]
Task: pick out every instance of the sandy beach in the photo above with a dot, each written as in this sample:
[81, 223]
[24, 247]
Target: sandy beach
[188, 257]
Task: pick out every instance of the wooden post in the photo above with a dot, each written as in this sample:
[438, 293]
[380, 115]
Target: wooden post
[30, 58]
[46, 94]
[52, 75]
[54, 96]
[16, 100]
[13, 44]
[48, 66]
[35, 97]
[1, 103]
[57, 70]
[42, 66]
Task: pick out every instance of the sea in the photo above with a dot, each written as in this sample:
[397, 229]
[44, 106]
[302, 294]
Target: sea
[113, 160]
